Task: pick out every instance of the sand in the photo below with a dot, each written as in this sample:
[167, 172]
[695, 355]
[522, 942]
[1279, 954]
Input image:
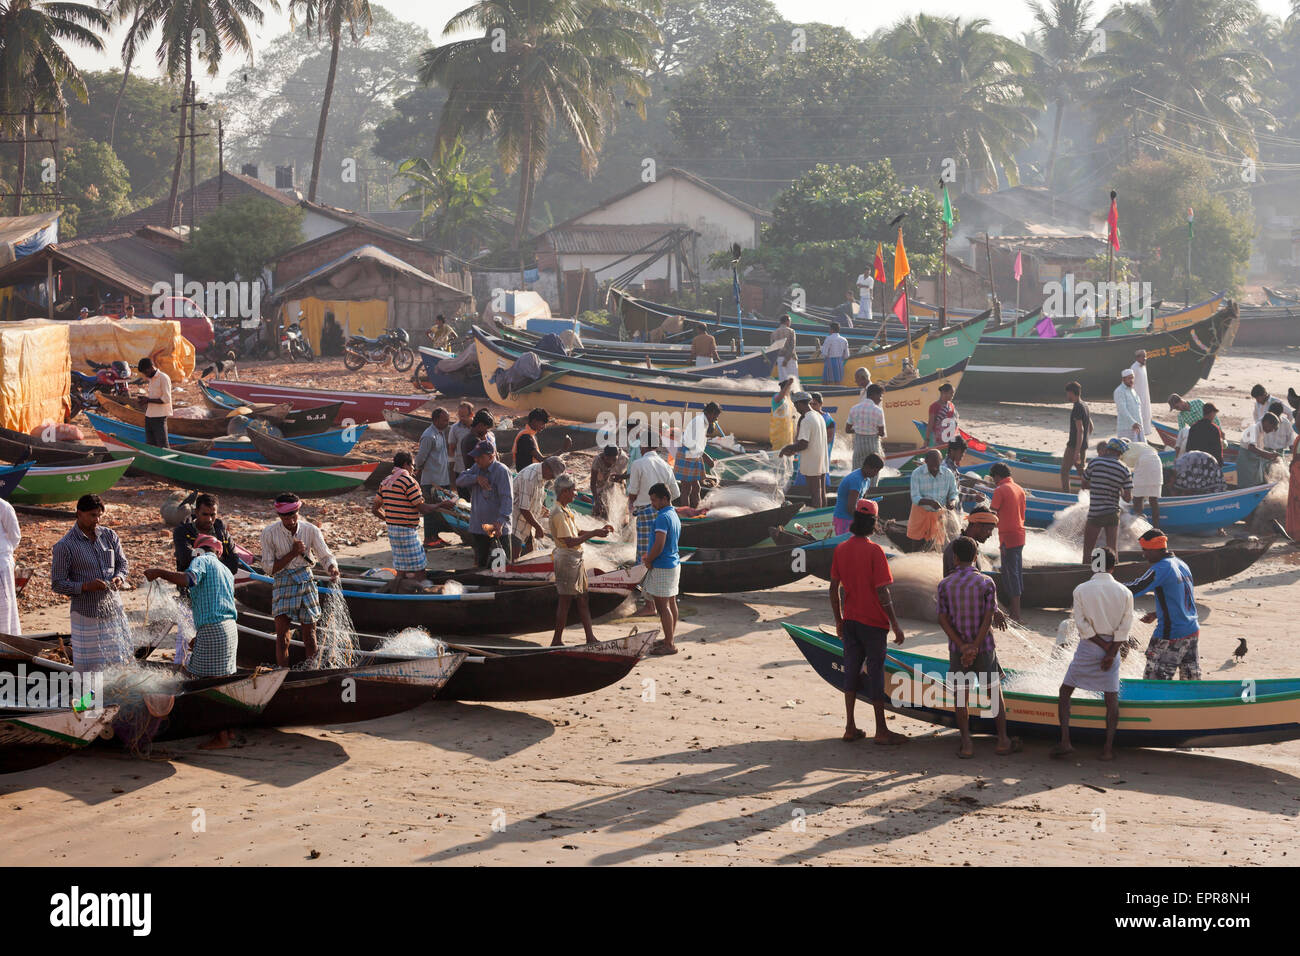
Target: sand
[735, 758]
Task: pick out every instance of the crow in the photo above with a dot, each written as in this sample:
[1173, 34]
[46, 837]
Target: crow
[1240, 652]
[1293, 398]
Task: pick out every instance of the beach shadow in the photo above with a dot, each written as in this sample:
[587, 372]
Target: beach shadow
[479, 730]
[98, 774]
[273, 756]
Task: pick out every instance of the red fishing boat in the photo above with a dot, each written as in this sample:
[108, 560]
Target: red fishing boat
[357, 407]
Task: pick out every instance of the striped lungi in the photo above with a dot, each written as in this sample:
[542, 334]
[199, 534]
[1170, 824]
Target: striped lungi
[214, 649]
[407, 548]
[662, 582]
[293, 594]
[689, 469]
[645, 520]
[832, 369]
[864, 445]
[100, 642]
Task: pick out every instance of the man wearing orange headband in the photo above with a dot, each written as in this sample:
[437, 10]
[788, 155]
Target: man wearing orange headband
[980, 525]
[1173, 646]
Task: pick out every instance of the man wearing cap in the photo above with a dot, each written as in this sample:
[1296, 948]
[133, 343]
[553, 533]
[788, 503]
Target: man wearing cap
[607, 468]
[1128, 408]
[291, 547]
[491, 504]
[1205, 435]
[941, 423]
[1106, 479]
[867, 424]
[570, 572]
[158, 403]
[692, 463]
[852, 488]
[1142, 389]
[933, 490]
[864, 616]
[528, 492]
[810, 445]
[787, 360]
[480, 430]
[1103, 614]
[84, 313]
[1190, 411]
[1173, 646]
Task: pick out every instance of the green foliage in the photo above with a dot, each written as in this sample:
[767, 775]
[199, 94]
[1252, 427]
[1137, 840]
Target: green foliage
[456, 199]
[240, 238]
[95, 186]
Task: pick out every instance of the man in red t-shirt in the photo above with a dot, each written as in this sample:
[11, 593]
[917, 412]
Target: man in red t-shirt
[864, 618]
[941, 426]
[1009, 505]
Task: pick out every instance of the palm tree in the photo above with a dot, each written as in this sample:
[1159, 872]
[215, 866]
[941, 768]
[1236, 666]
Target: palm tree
[1064, 39]
[1183, 73]
[330, 15]
[540, 65]
[34, 69]
[456, 200]
[120, 10]
[978, 87]
[190, 30]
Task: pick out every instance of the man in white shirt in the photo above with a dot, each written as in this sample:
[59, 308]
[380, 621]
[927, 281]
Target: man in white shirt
[835, 349]
[10, 536]
[529, 491]
[1128, 409]
[691, 464]
[865, 285]
[1139, 369]
[867, 425]
[1103, 613]
[787, 359]
[642, 475]
[158, 396]
[291, 547]
[1264, 402]
[810, 444]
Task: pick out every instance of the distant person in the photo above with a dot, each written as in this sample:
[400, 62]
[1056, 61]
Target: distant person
[664, 567]
[834, 351]
[526, 448]
[1190, 411]
[1143, 390]
[787, 359]
[570, 571]
[704, 348]
[528, 495]
[129, 311]
[1128, 408]
[442, 335]
[867, 425]
[1281, 438]
[941, 422]
[1173, 646]
[399, 504]
[980, 524]
[1107, 479]
[203, 521]
[158, 403]
[844, 311]
[866, 283]
[1263, 401]
[1076, 445]
[432, 466]
[781, 428]
[480, 430]
[861, 381]
[456, 433]
[647, 472]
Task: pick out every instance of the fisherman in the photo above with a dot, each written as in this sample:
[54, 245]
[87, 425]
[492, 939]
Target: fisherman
[1076, 446]
[852, 488]
[645, 473]
[158, 398]
[819, 406]
[202, 521]
[570, 572]
[861, 381]
[810, 445]
[480, 430]
[528, 494]
[787, 359]
[980, 525]
[291, 547]
[1205, 435]
[844, 311]
[780, 430]
[953, 456]
[1197, 473]
[1148, 477]
[607, 468]
[1128, 408]
[432, 465]
[933, 491]
[1263, 401]
[1009, 501]
[89, 566]
[526, 449]
[399, 503]
[455, 436]
[866, 283]
[863, 619]
[1190, 411]
[1173, 645]
[663, 567]
[835, 349]
[1103, 614]
[1254, 457]
[1143, 390]
[1282, 437]
[966, 602]
[1107, 479]
[10, 537]
[442, 335]
[941, 424]
[867, 424]
[491, 504]
[704, 348]
[693, 462]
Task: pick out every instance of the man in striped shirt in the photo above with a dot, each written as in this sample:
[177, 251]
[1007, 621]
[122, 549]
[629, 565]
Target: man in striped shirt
[867, 425]
[1106, 479]
[401, 503]
[89, 566]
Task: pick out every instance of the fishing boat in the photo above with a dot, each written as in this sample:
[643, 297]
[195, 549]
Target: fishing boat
[1190, 514]
[289, 421]
[212, 425]
[354, 407]
[1152, 713]
[56, 483]
[1169, 435]
[1135, 324]
[1263, 326]
[1038, 471]
[282, 452]
[20, 447]
[491, 673]
[332, 444]
[238, 478]
[10, 477]
[550, 440]
[1037, 370]
[34, 737]
[583, 394]
[451, 375]
[480, 608]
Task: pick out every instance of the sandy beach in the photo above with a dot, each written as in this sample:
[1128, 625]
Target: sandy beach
[727, 754]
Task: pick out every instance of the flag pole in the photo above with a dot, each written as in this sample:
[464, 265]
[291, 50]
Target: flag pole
[1110, 262]
[735, 289]
[943, 303]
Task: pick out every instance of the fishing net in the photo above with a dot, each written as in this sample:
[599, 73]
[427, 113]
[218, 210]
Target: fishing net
[1273, 507]
[916, 579]
[1048, 662]
[144, 696]
[1068, 524]
[733, 500]
[413, 642]
[335, 634]
[453, 587]
[165, 612]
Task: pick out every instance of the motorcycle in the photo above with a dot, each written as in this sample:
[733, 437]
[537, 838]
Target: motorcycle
[294, 344]
[110, 378]
[358, 351]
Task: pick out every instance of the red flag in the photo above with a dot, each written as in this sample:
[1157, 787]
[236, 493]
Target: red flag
[1112, 223]
[900, 309]
[878, 267]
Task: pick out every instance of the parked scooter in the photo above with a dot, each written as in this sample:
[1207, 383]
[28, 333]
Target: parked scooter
[294, 344]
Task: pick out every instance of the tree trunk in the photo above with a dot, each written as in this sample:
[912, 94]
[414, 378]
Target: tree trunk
[21, 178]
[121, 90]
[525, 175]
[1056, 140]
[324, 115]
[173, 198]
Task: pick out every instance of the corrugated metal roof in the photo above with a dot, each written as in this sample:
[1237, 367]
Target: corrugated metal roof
[606, 239]
[234, 186]
[125, 261]
[371, 254]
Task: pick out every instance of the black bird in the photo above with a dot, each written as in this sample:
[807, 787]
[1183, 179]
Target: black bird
[1240, 652]
[897, 219]
[1293, 398]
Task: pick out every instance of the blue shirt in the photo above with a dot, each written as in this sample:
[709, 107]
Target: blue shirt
[941, 487]
[667, 523]
[491, 505]
[212, 590]
[853, 481]
[1170, 580]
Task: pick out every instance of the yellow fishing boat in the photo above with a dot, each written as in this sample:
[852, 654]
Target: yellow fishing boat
[883, 363]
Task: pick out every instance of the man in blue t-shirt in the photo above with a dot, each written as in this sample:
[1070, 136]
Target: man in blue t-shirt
[852, 487]
[1173, 646]
[664, 567]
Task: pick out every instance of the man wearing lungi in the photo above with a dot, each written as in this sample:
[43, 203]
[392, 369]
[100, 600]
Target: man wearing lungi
[10, 537]
[400, 503]
[934, 490]
[1103, 613]
[291, 547]
[89, 566]
[692, 464]
[570, 571]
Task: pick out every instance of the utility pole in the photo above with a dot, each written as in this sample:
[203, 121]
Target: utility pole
[189, 102]
[23, 141]
[221, 163]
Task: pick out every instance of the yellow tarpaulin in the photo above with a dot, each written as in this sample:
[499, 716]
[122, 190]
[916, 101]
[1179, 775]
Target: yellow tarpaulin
[367, 318]
[107, 340]
[34, 372]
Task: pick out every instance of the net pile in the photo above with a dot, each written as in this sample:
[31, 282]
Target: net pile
[1068, 525]
[414, 642]
[1046, 671]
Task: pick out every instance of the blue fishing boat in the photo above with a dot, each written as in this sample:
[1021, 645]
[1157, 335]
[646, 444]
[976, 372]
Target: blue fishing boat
[458, 378]
[336, 441]
[1193, 514]
[11, 475]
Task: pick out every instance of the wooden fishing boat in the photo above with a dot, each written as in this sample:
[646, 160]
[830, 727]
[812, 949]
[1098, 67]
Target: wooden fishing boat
[550, 440]
[741, 531]
[34, 737]
[756, 363]
[1169, 435]
[19, 447]
[582, 394]
[1190, 514]
[195, 471]
[10, 477]
[1263, 326]
[1152, 713]
[735, 570]
[214, 425]
[1038, 471]
[484, 606]
[50, 485]
[1135, 324]
[282, 451]
[463, 382]
[314, 449]
[354, 407]
[1037, 370]
[289, 421]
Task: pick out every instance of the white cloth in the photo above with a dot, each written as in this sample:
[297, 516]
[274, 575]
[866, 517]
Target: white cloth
[1102, 606]
[646, 472]
[812, 429]
[1148, 470]
[835, 346]
[1180, 445]
[1279, 439]
[1128, 413]
[10, 536]
[277, 542]
[1143, 389]
[865, 286]
[695, 437]
[1261, 409]
[788, 368]
[160, 386]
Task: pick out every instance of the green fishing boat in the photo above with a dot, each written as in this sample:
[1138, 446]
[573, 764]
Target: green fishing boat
[46, 486]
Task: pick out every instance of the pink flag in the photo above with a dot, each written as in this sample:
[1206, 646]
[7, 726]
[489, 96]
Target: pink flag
[1046, 328]
[1020, 267]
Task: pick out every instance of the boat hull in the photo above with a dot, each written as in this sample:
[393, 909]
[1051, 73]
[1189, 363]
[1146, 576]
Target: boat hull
[1193, 514]
[354, 408]
[56, 483]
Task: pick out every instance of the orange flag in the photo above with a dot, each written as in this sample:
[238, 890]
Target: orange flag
[901, 269]
[878, 267]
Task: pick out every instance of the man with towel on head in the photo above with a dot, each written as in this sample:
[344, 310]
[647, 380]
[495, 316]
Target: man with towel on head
[89, 566]
[570, 571]
[1143, 390]
[1103, 613]
[1173, 645]
[980, 525]
[934, 491]
[1128, 408]
[291, 547]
